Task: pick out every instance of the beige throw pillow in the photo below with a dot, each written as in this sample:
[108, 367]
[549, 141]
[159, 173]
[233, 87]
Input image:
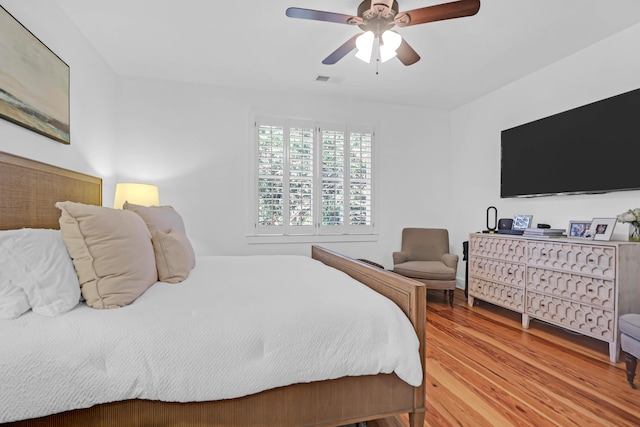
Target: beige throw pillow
[163, 218]
[174, 255]
[111, 251]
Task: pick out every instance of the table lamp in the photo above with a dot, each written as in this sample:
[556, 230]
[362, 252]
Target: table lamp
[139, 194]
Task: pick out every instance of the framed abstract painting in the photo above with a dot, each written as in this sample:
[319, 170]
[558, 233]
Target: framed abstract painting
[34, 82]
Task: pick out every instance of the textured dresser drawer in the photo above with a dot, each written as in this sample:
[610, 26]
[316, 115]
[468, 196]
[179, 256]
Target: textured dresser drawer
[584, 289]
[583, 318]
[497, 271]
[507, 296]
[505, 249]
[574, 257]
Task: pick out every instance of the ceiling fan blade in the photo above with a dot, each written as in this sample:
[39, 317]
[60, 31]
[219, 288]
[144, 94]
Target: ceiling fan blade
[440, 12]
[340, 52]
[318, 15]
[406, 54]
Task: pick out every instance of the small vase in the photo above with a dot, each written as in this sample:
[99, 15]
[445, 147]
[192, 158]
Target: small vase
[634, 233]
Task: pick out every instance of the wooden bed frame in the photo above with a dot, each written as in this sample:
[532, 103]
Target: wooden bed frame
[28, 191]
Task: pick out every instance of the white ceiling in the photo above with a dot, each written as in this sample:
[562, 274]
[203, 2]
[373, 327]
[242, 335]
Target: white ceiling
[252, 44]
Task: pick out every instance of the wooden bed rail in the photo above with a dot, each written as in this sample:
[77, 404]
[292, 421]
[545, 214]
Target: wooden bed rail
[409, 295]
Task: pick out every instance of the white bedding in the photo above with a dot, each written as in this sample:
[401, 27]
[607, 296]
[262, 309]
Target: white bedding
[235, 327]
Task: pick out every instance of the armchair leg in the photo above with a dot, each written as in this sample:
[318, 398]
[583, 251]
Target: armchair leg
[631, 363]
[451, 295]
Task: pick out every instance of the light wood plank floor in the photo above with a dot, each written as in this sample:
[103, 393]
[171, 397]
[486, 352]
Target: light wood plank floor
[483, 369]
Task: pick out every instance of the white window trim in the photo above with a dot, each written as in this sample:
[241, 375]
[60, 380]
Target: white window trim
[316, 233]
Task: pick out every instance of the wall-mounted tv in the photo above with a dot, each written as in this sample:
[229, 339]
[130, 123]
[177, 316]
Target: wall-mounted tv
[590, 149]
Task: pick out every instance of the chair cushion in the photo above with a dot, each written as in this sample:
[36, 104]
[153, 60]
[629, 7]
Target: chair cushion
[630, 325]
[434, 270]
[630, 345]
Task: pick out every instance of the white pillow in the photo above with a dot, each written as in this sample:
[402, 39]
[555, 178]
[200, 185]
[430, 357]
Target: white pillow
[37, 261]
[13, 300]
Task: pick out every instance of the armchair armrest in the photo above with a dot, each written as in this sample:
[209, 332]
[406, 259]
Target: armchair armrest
[450, 260]
[399, 257]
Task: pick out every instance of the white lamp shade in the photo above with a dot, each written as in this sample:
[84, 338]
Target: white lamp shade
[139, 194]
[364, 43]
[391, 43]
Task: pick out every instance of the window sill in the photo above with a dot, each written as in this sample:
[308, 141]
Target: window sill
[311, 238]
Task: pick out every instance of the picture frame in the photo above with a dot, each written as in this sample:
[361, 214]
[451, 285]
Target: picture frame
[602, 228]
[577, 228]
[522, 222]
[34, 83]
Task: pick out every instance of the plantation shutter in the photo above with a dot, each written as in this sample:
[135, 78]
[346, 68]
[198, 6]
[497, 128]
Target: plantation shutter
[346, 179]
[360, 179]
[313, 179]
[271, 170]
[300, 164]
[285, 176]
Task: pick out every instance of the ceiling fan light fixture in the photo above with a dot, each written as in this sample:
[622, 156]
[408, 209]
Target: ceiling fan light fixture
[364, 43]
[390, 43]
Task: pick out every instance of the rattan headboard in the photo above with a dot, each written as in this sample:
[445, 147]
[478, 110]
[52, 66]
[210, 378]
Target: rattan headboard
[30, 189]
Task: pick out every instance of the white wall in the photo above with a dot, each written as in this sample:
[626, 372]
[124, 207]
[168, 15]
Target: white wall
[193, 141]
[92, 97]
[605, 69]
[434, 168]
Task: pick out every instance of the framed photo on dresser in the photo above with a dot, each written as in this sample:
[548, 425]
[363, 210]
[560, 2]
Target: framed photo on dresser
[577, 228]
[602, 228]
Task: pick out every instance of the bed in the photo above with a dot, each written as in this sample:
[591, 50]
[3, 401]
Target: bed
[28, 192]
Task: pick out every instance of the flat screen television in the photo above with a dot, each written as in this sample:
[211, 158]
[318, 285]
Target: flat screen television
[590, 149]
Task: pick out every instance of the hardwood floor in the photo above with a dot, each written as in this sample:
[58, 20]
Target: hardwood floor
[483, 369]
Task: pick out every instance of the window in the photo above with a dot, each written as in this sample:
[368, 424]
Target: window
[312, 178]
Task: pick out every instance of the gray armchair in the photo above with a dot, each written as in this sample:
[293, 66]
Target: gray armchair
[630, 342]
[425, 257]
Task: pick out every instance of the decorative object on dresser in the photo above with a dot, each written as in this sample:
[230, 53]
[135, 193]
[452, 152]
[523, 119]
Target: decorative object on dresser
[577, 228]
[544, 232]
[34, 82]
[517, 225]
[582, 286]
[632, 217]
[522, 222]
[602, 228]
[505, 224]
[492, 228]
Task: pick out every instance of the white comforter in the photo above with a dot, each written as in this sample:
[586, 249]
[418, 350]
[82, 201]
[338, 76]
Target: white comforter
[236, 326]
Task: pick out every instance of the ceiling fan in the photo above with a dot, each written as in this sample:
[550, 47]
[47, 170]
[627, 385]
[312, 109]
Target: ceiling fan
[376, 18]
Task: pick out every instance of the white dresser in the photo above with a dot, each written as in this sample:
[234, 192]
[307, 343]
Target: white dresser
[580, 285]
